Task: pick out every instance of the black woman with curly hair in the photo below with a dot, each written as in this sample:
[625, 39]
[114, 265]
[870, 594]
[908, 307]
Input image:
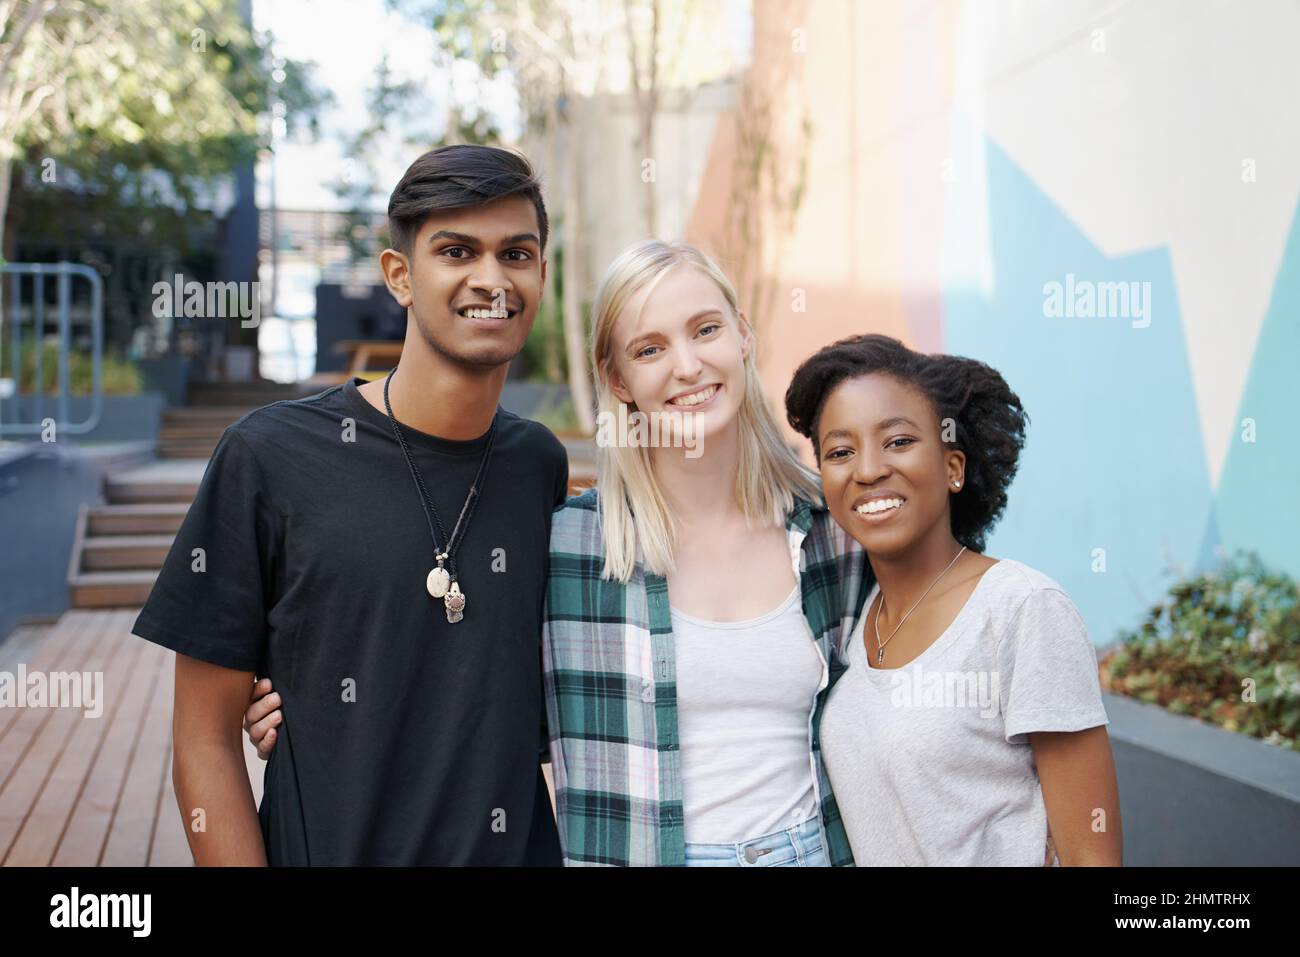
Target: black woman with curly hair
[968, 728]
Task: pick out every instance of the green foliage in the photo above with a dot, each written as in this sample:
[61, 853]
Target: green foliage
[559, 416]
[159, 102]
[1219, 640]
[544, 355]
[393, 106]
[120, 377]
[175, 87]
[545, 358]
[461, 28]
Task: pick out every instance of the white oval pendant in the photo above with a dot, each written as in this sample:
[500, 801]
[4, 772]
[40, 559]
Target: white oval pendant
[438, 581]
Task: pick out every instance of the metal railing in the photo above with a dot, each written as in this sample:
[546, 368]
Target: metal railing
[25, 414]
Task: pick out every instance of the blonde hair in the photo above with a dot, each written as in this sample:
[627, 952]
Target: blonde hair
[769, 476]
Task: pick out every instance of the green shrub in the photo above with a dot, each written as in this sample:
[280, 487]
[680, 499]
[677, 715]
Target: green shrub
[544, 350]
[1223, 647]
[120, 376]
[559, 416]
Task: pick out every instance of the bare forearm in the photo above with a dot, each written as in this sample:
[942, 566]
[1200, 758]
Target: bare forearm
[1094, 844]
[1077, 772]
[1108, 856]
[216, 804]
[208, 770]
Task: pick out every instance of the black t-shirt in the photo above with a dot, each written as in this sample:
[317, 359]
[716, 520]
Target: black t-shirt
[406, 739]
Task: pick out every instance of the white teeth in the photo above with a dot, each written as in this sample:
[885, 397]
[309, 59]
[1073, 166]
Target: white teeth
[695, 398]
[879, 505]
[472, 313]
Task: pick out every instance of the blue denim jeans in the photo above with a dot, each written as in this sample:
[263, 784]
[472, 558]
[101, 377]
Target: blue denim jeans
[800, 845]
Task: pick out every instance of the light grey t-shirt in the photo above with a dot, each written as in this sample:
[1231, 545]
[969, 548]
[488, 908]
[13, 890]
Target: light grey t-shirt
[931, 762]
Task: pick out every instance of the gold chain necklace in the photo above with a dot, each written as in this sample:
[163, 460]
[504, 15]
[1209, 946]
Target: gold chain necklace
[880, 646]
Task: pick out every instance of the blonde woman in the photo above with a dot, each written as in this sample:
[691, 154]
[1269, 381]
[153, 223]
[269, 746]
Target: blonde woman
[694, 602]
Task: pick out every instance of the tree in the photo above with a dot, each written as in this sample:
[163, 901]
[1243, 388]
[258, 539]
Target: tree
[769, 174]
[119, 120]
[392, 106]
[645, 91]
[553, 48]
[106, 73]
[563, 54]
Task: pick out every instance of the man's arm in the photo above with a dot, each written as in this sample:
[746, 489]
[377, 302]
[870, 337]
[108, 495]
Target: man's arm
[208, 769]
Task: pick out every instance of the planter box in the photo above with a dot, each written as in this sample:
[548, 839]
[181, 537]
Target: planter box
[169, 374]
[41, 488]
[527, 399]
[123, 418]
[1192, 794]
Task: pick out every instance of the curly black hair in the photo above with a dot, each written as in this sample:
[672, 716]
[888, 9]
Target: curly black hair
[990, 421]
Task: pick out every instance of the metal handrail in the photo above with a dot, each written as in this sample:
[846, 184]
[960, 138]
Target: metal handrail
[13, 315]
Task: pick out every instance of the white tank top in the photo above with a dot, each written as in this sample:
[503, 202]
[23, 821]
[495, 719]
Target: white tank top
[746, 691]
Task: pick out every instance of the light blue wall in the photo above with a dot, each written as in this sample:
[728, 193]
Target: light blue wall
[1114, 457]
[1258, 502]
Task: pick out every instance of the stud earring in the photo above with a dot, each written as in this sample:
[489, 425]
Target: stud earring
[956, 484]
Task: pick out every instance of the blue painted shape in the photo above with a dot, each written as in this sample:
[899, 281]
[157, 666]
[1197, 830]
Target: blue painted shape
[1211, 544]
[1258, 502]
[1114, 457]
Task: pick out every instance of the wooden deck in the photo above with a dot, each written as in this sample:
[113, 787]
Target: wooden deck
[84, 791]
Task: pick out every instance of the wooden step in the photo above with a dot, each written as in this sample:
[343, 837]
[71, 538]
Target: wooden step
[252, 400]
[190, 449]
[242, 394]
[164, 480]
[205, 414]
[159, 519]
[125, 552]
[581, 477]
[137, 493]
[192, 430]
[210, 440]
[126, 495]
[113, 589]
[258, 386]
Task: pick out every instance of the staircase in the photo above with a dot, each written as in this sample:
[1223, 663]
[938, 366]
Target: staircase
[120, 546]
[118, 551]
[191, 432]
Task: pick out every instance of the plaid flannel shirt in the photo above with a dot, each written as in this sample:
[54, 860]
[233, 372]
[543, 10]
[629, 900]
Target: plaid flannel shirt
[611, 690]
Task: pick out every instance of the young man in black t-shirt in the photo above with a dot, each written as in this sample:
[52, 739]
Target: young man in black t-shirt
[412, 708]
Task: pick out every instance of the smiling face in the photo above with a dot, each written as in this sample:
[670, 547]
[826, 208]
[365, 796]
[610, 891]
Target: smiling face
[678, 347]
[472, 280]
[886, 474]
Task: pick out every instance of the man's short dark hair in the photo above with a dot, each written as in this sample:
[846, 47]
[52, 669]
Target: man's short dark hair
[456, 177]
